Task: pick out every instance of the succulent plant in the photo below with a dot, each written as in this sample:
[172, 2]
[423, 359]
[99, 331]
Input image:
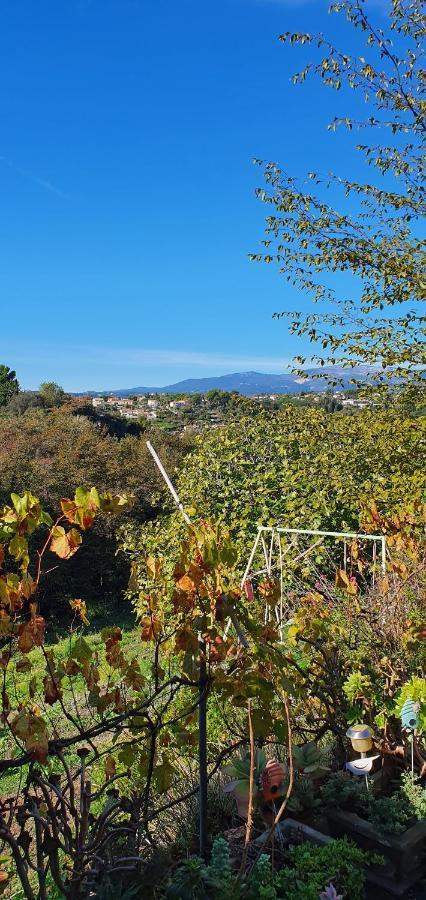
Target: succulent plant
[330, 893]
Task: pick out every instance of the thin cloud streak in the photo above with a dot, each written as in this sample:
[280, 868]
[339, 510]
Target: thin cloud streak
[191, 358]
[128, 358]
[89, 367]
[42, 182]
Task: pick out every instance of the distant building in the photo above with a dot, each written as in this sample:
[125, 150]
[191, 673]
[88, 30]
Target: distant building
[152, 403]
[178, 404]
[130, 413]
[357, 403]
[98, 402]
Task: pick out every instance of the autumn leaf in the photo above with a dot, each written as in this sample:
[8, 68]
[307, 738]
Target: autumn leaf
[186, 640]
[80, 609]
[81, 651]
[342, 580]
[110, 767]
[52, 690]
[153, 567]
[31, 634]
[18, 548]
[4, 878]
[115, 503]
[151, 628]
[23, 665]
[384, 584]
[27, 586]
[65, 543]
[72, 512]
[133, 583]
[29, 728]
[83, 509]
[187, 585]
[163, 775]
[6, 624]
[345, 583]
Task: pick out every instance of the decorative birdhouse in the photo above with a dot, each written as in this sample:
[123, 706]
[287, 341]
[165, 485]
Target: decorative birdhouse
[273, 777]
[410, 715]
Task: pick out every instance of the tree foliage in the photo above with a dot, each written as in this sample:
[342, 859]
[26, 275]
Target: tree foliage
[9, 385]
[51, 393]
[300, 468]
[373, 231]
[55, 449]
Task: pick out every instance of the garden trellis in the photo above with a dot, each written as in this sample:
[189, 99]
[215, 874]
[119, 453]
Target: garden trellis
[299, 560]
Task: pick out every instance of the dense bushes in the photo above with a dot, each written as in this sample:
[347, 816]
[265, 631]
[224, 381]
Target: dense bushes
[53, 451]
[297, 467]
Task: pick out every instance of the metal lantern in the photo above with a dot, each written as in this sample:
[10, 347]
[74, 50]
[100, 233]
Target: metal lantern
[361, 738]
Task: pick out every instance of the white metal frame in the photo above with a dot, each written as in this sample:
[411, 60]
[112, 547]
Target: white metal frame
[314, 532]
[269, 538]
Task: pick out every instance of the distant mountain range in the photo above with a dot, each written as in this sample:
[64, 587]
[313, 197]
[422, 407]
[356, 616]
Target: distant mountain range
[249, 383]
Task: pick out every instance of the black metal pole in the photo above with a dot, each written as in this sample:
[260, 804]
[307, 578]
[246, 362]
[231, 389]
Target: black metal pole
[202, 750]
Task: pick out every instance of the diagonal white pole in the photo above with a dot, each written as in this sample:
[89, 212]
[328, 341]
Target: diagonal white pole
[170, 486]
[238, 628]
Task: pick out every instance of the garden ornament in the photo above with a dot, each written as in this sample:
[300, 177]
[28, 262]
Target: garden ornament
[410, 715]
[410, 722]
[361, 738]
[273, 777]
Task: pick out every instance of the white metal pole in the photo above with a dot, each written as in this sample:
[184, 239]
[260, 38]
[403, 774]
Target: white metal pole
[170, 486]
[252, 554]
[240, 632]
[383, 555]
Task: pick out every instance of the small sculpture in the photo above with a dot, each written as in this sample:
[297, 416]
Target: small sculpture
[273, 777]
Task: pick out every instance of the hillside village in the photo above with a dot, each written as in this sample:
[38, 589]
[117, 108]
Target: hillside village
[193, 412]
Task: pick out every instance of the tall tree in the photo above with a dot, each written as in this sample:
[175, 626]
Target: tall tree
[370, 229]
[51, 393]
[9, 385]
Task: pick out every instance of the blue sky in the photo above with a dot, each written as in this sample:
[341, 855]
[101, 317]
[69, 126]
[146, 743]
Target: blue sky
[127, 186]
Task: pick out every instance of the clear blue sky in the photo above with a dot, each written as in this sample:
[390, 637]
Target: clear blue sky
[127, 188]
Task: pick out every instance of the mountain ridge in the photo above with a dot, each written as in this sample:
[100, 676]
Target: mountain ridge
[249, 383]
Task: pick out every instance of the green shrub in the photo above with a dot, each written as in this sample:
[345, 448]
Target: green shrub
[312, 868]
[342, 790]
[309, 870]
[415, 796]
[390, 815]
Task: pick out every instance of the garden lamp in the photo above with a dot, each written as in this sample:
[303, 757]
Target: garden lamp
[361, 738]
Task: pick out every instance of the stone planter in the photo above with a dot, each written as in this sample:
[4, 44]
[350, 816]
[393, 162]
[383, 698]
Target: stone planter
[404, 854]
